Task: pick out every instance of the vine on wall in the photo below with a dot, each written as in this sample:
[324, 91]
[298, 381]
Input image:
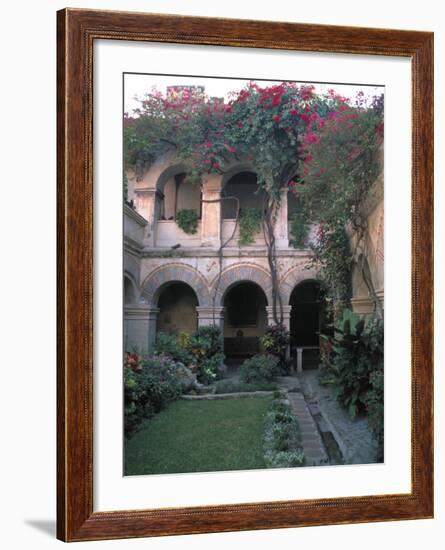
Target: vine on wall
[324, 147]
[187, 220]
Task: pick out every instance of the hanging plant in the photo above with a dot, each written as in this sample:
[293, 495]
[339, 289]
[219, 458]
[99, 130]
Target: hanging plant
[299, 228]
[249, 224]
[187, 220]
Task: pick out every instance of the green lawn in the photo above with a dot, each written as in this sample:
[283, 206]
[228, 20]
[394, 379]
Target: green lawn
[200, 436]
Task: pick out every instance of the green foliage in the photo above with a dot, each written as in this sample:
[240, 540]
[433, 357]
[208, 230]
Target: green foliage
[374, 406]
[299, 225]
[201, 351]
[149, 389]
[173, 346]
[206, 347]
[275, 341]
[282, 437]
[187, 220]
[333, 259]
[249, 225]
[341, 161]
[353, 354]
[260, 368]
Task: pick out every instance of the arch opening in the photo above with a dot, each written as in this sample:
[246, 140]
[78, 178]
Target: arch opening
[177, 193]
[306, 322]
[243, 186]
[245, 321]
[177, 309]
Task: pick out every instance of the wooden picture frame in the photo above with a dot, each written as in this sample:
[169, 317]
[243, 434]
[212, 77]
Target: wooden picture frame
[77, 31]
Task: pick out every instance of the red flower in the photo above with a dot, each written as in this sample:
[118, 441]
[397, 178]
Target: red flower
[293, 112]
[276, 118]
[311, 138]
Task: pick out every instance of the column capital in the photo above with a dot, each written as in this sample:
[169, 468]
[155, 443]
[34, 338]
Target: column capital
[148, 191]
[140, 311]
[210, 316]
[286, 311]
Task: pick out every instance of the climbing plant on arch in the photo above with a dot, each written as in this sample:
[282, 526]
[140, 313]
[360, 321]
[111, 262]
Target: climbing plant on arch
[322, 147]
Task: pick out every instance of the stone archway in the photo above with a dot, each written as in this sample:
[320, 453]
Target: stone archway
[238, 273]
[245, 320]
[293, 277]
[154, 283]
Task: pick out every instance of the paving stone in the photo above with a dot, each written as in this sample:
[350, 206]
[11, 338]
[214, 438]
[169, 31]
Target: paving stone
[353, 437]
[310, 438]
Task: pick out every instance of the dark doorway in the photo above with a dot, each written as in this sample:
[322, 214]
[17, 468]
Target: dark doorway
[177, 309]
[245, 321]
[305, 322]
[244, 187]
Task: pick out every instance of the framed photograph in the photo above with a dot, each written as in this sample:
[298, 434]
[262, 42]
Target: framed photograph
[245, 232]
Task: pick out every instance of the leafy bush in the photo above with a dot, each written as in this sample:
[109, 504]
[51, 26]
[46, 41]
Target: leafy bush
[353, 354]
[275, 341]
[260, 368]
[206, 347]
[187, 220]
[174, 346]
[149, 388]
[201, 351]
[282, 437]
[374, 406]
[249, 224]
[234, 386]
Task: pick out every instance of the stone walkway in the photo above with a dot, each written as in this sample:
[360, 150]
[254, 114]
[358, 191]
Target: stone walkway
[314, 449]
[352, 436]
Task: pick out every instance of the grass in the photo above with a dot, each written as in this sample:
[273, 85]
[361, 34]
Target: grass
[200, 436]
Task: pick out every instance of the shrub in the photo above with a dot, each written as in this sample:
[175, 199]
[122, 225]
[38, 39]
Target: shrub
[187, 220]
[275, 341]
[374, 405]
[205, 346]
[150, 388]
[201, 351]
[353, 354]
[260, 368]
[282, 437]
[173, 346]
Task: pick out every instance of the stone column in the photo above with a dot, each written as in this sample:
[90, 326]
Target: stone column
[211, 211]
[286, 321]
[280, 229]
[139, 327]
[209, 316]
[147, 205]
